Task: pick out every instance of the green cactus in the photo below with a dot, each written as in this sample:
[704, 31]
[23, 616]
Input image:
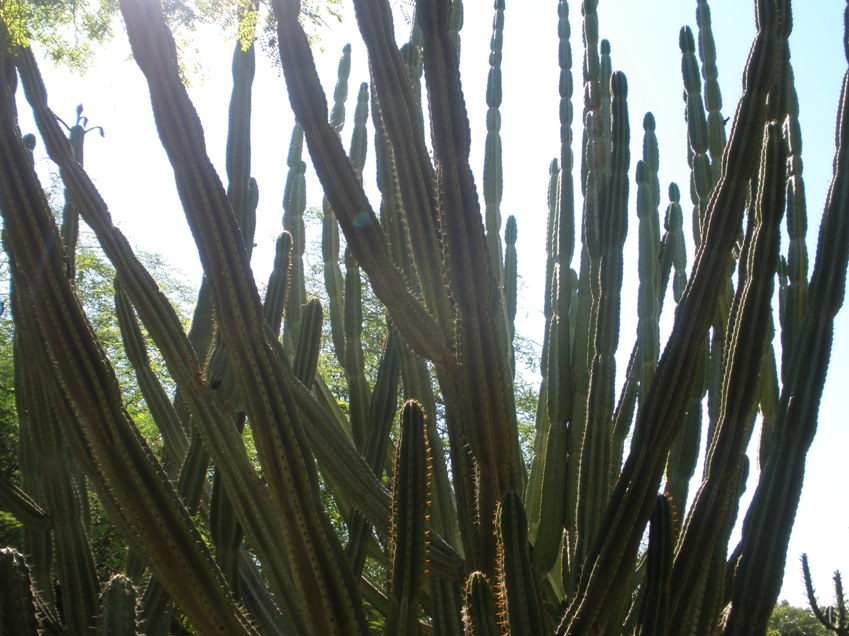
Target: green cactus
[17, 603]
[118, 603]
[479, 615]
[410, 505]
[268, 510]
[833, 618]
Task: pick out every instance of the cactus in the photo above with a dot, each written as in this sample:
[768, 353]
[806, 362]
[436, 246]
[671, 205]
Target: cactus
[833, 618]
[304, 533]
[410, 505]
[118, 601]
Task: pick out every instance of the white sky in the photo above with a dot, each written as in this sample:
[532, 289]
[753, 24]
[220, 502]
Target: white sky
[133, 175]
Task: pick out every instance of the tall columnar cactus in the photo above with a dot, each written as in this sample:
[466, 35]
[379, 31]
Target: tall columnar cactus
[493, 180]
[410, 505]
[306, 534]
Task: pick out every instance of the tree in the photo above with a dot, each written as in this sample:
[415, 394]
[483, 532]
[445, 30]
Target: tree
[787, 620]
[240, 537]
[69, 31]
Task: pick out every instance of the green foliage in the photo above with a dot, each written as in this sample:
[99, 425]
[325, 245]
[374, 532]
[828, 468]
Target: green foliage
[787, 620]
[69, 31]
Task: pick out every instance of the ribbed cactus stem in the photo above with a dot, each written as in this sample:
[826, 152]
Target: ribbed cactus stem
[648, 297]
[697, 131]
[479, 617]
[793, 298]
[305, 363]
[559, 357]
[17, 602]
[238, 155]
[63, 494]
[274, 305]
[606, 269]
[546, 493]
[510, 282]
[359, 133]
[708, 519]
[340, 93]
[713, 95]
[673, 247]
[294, 203]
[353, 361]
[492, 168]
[70, 228]
[605, 71]
[520, 608]
[161, 408]
[780, 484]
[654, 610]
[455, 24]
[333, 278]
[118, 608]
[410, 508]
[381, 413]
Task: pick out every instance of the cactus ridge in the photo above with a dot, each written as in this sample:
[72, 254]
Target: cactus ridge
[408, 546]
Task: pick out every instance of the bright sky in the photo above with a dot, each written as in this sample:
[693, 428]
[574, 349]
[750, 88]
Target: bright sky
[133, 175]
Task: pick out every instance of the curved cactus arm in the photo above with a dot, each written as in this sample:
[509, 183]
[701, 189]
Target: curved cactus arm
[345, 193]
[833, 619]
[743, 354]
[410, 506]
[658, 421]
[777, 495]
